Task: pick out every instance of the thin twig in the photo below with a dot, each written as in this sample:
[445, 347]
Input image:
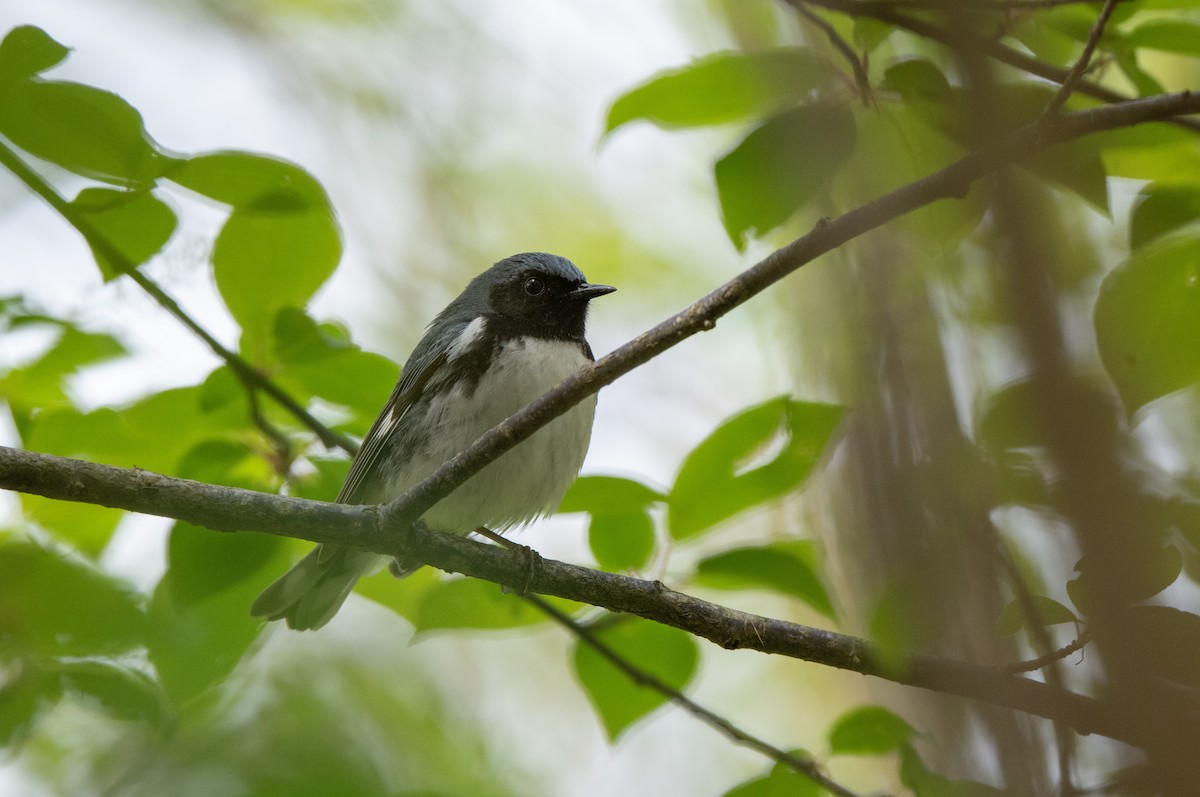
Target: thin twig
[1031, 665]
[959, 38]
[251, 377]
[841, 45]
[1081, 64]
[802, 765]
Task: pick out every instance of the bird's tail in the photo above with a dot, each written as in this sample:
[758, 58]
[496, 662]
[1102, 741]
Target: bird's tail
[310, 594]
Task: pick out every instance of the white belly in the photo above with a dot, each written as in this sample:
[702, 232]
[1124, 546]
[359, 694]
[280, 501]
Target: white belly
[527, 481]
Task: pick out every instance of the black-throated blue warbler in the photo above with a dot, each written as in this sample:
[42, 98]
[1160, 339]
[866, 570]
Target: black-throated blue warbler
[515, 332]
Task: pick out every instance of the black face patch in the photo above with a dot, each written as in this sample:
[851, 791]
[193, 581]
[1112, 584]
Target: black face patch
[537, 304]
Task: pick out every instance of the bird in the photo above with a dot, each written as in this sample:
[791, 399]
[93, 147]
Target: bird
[515, 332]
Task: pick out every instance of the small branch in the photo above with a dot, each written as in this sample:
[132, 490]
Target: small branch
[1050, 658]
[804, 766]
[369, 528]
[951, 182]
[1080, 67]
[842, 46]
[251, 377]
[958, 38]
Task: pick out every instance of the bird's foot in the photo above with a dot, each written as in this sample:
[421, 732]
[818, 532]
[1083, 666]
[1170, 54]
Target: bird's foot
[533, 560]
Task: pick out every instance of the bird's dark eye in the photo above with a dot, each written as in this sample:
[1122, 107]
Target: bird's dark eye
[533, 286]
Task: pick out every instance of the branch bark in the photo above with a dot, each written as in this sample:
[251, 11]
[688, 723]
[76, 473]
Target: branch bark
[365, 527]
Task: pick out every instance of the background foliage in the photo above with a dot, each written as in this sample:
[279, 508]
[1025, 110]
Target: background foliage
[980, 499]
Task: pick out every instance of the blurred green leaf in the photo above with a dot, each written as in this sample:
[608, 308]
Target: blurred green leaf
[136, 223]
[725, 87]
[721, 477]
[55, 606]
[317, 363]
[220, 389]
[1168, 640]
[783, 567]
[1146, 320]
[86, 527]
[665, 653]
[41, 383]
[1012, 617]
[83, 129]
[782, 781]
[199, 623]
[780, 166]
[203, 563]
[1145, 83]
[917, 80]
[870, 33]
[325, 483]
[926, 783]
[621, 532]
[608, 495]
[122, 692]
[27, 50]
[1161, 209]
[621, 541]
[281, 241]
[462, 603]
[869, 730]
[1171, 35]
[24, 693]
[1009, 418]
[152, 433]
[1158, 152]
[1148, 569]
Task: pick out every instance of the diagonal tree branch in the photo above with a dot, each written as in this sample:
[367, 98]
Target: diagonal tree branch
[365, 527]
[951, 182]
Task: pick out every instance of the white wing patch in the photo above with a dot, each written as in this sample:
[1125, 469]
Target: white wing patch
[471, 333]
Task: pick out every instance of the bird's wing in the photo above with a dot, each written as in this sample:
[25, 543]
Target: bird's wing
[417, 372]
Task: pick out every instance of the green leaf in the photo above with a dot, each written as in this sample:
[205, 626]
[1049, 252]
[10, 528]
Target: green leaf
[665, 653]
[917, 80]
[1146, 320]
[783, 567]
[721, 478]
[608, 495]
[621, 541]
[1160, 209]
[52, 605]
[869, 730]
[1009, 418]
[782, 781]
[203, 563]
[42, 383]
[780, 166]
[870, 33]
[1171, 35]
[151, 434]
[281, 241]
[925, 783]
[461, 603]
[1012, 617]
[244, 179]
[25, 693]
[136, 223]
[86, 527]
[83, 129]
[725, 87]
[621, 532]
[1167, 640]
[1145, 83]
[28, 50]
[318, 363]
[199, 624]
[122, 692]
[1147, 570]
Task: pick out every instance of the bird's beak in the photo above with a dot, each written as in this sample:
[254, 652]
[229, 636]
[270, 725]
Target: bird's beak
[586, 291]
